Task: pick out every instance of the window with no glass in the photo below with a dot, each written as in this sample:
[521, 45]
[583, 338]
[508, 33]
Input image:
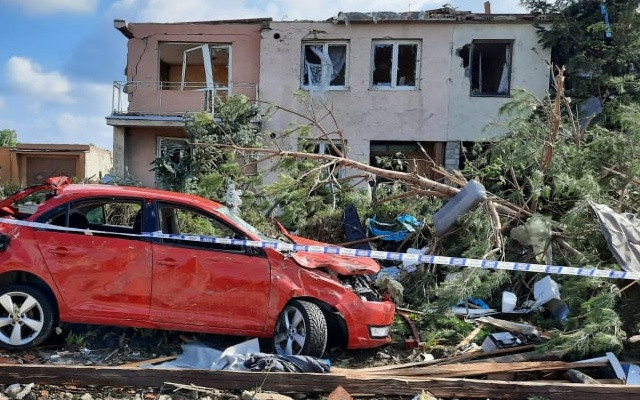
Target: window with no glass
[190, 66]
[490, 68]
[324, 65]
[395, 64]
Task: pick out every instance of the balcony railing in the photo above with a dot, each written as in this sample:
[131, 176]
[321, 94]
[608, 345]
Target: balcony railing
[169, 98]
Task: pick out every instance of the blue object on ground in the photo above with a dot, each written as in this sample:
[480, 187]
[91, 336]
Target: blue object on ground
[385, 230]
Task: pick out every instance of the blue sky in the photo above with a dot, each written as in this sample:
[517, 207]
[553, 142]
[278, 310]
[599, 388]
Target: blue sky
[59, 58]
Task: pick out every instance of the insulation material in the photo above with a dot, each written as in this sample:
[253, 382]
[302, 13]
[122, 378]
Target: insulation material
[622, 232]
[536, 232]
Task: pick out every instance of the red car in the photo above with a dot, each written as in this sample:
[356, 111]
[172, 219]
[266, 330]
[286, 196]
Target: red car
[85, 254]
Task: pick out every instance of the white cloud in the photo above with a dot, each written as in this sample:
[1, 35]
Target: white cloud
[80, 128]
[44, 7]
[1, 103]
[28, 78]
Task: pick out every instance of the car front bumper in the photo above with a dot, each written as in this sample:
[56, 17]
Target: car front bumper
[368, 322]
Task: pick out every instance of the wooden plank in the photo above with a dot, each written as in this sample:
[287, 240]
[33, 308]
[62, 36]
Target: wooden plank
[484, 368]
[150, 361]
[451, 360]
[312, 383]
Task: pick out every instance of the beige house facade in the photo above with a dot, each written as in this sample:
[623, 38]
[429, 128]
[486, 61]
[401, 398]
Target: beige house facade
[393, 80]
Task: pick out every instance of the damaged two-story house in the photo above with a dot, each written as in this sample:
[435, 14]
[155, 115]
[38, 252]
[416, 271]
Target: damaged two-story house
[172, 69]
[395, 82]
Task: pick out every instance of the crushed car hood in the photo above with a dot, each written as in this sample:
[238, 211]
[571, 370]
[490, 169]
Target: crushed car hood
[341, 265]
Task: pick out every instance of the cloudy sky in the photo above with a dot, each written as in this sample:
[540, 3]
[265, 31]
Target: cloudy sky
[59, 58]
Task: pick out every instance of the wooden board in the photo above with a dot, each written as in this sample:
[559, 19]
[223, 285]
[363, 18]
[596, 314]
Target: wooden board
[312, 383]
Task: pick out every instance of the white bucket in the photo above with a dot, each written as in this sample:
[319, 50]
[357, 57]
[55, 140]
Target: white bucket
[509, 301]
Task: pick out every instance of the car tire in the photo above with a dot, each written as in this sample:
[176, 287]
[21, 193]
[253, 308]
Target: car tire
[301, 329]
[26, 317]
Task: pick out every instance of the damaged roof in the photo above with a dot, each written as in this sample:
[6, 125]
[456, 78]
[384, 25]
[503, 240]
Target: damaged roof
[443, 14]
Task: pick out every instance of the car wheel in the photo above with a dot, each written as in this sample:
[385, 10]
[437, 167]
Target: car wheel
[301, 329]
[26, 317]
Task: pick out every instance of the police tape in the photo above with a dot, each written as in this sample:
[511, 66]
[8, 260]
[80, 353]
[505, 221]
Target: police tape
[343, 251]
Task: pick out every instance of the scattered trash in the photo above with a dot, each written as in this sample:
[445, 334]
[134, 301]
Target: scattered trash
[580, 377]
[395, 232]
[391, 286]
[500, 340]
[197, 355]
[524, 329]
[472, 312]
[547, 293]
[466, 200]
[412, 341]
[622, 232]
[613, 361]
[353, 229]
[509, 301]
[536, 232]
[633, 373]
[412, 266]
[283, 363]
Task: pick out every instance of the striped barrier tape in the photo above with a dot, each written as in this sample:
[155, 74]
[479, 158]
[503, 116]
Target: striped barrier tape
[378, 255]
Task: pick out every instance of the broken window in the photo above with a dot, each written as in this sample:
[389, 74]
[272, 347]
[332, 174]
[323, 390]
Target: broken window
[180, 220]
[395, 64]
[195, 66]
[407, 156]
[177, 150]
[490, 68]
[324, 65]
[325, 147]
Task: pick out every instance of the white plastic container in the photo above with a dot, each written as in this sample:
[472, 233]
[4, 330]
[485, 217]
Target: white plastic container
[509, 301]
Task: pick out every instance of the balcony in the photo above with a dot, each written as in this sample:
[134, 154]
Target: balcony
[171, 98]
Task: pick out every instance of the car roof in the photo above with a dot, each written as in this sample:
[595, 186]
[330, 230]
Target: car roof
[90, 190]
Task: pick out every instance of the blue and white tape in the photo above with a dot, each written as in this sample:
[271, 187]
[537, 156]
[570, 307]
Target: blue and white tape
[378, 255]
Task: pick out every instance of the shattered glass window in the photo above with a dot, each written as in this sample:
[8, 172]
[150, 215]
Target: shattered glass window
[186, 221]
[490, 68]
[324, 65]
[395, 64]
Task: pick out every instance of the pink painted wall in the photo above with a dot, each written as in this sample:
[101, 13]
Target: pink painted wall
[140, 150]
[143, 64]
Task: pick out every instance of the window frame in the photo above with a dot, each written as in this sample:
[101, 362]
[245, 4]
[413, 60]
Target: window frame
[159, 140]
[325, 47]
[205, 50]
[324, 147]
[508, 58]
[394, 64]
[159, 205]
[116, 231]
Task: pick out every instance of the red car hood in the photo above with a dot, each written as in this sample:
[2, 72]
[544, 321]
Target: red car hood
[341, 265]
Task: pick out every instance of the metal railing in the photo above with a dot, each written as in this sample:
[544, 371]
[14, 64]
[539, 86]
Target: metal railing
[169, 98]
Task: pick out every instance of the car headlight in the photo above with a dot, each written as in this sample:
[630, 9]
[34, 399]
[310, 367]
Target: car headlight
[379, 331]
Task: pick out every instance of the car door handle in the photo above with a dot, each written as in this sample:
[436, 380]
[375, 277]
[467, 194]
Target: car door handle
[168, 262]
[60, 251]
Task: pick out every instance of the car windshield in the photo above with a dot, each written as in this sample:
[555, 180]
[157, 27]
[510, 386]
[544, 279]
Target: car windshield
[244, 224]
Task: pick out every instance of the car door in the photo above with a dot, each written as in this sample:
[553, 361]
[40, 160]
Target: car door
[101, 265]
[219, 286]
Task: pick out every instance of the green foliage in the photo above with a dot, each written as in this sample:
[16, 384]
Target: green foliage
[8, 138]
[596, 66]
[204, 167]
